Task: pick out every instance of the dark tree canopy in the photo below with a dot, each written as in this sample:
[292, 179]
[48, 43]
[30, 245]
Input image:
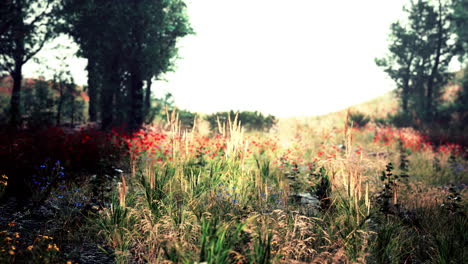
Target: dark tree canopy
[420, 51]
[460, 26]
[127, 44]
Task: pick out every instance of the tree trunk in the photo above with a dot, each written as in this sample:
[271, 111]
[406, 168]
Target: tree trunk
[435, 68]
[121, 103]
[111, 82]
[17, 74]
[15, 101]
[92, 90]
[406, 86]
[59, 106]
[72, 101]
[136, 94]
[148, 97]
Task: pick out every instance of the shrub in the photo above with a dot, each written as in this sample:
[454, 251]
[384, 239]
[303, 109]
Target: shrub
[358, 119]
[249, 120]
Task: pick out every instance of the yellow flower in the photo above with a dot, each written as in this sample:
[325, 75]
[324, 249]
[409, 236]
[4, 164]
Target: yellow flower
[11, 252]
[4, 177]
[16, 234]
[8, 239]
[13, 247]
[30, 247]
[52, 247]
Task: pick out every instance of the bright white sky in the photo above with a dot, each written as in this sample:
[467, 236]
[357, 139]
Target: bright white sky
[286, 58]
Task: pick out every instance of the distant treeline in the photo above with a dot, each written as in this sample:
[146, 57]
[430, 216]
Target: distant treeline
[45, 103]
[249, 120]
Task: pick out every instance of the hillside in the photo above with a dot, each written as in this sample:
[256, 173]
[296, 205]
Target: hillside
[378, 107]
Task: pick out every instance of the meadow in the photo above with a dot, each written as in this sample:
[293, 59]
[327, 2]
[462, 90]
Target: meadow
[322, 190]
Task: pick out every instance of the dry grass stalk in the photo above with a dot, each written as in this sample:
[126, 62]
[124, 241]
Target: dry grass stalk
[123, 190]
[233, 133]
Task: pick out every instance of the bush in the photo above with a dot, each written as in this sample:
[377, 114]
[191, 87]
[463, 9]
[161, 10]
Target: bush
[249, 120]
[358, 119]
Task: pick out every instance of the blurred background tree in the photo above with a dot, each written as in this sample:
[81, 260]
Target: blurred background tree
[128, 44]
[420, 52]
[25, 26]
[419, 55]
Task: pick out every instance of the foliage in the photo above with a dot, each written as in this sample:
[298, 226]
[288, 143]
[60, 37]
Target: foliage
[24, 32]
[460, 25]
[119, 68]
[418, 58]
[358, 119]
[186, 198]
[38, 104]
[217, 240]
[249, 120]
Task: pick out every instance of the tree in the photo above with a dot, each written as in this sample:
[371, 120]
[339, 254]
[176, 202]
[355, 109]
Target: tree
[419, 54]
[63, 83]
[23, 33]
[134, 44]
[400, 65]
[6, 17]
[460, 26]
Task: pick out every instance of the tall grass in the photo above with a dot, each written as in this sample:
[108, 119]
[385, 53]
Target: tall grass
[246, 198]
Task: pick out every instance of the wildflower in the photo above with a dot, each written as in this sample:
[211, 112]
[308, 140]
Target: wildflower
[235, 201]
[11, 224]
[16, 235]
[30, 247]
[52, 247]
[11, 252]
